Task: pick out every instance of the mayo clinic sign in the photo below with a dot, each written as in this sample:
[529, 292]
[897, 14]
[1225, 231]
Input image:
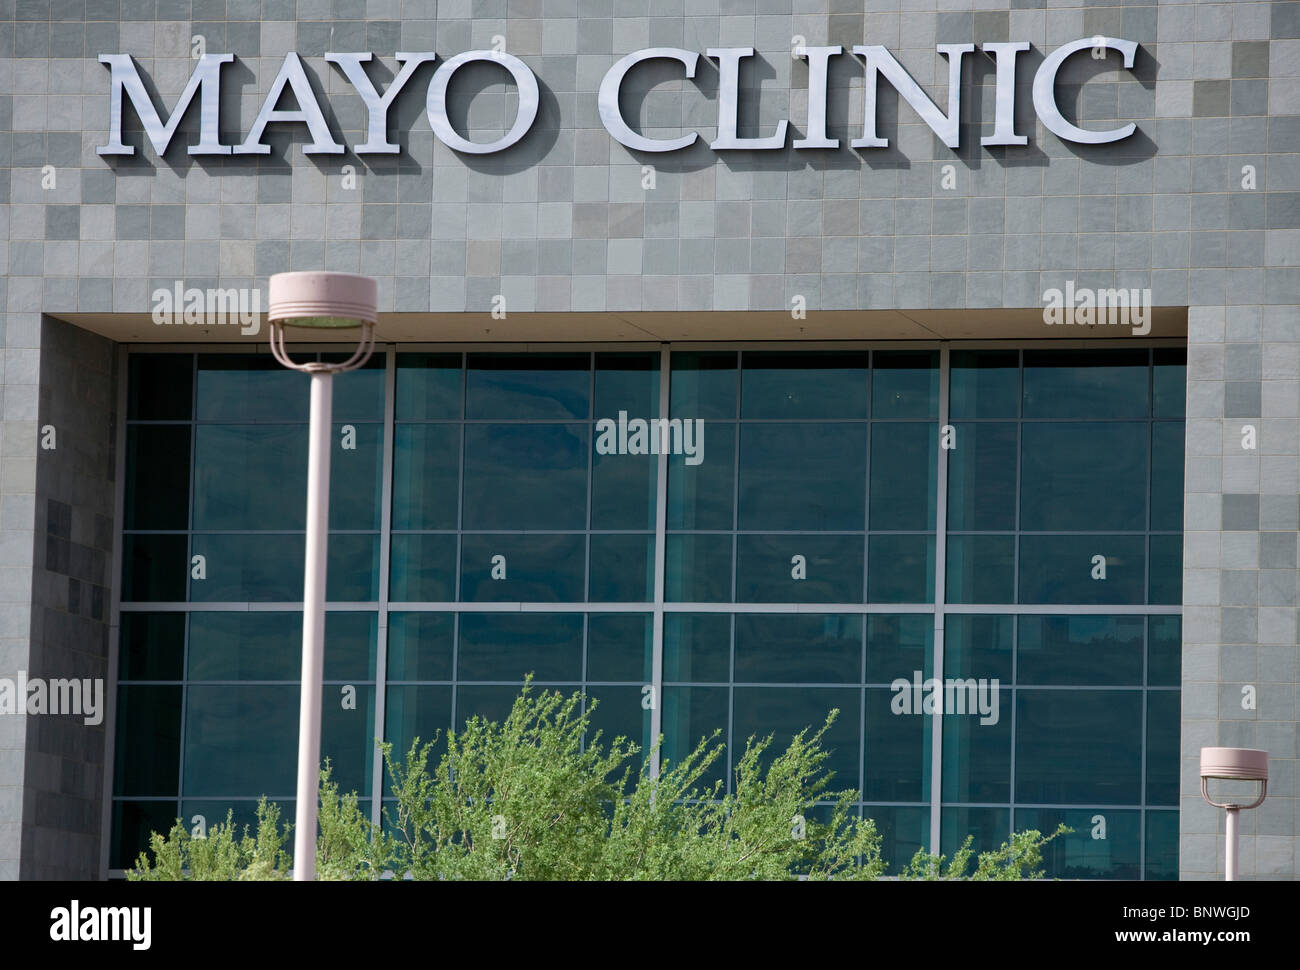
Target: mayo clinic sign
[205, 85]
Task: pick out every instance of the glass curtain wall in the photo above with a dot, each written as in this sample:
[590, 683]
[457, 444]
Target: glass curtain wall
[973, 555]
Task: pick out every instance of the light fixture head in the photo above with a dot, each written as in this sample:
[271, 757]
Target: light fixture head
[323, 301]
[1234, 764]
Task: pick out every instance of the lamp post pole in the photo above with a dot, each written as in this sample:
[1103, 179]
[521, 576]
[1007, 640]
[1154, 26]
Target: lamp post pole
[313, 624]
[1239, 765]
[318, 301]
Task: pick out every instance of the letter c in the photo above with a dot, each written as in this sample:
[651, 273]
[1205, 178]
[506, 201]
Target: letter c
[1045, 91]
[611, 87]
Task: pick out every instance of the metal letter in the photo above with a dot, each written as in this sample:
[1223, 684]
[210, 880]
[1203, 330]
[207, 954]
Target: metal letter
[307, 113]
[206, 80]
[818, 62]
[436, 104]
[1045, 91]
[376, 106]
[1004, 114]
[880, 61]
[728, 104]
[611, 86]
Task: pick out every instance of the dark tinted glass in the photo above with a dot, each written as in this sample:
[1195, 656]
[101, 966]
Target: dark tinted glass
[151, 646]
[697, 647]
[154, 568]
[1077, 477]
[977, 749]
[981, 569]
[1162, 747]
[984, 384]
[784, 712]
[528, 386]
[1098, 650]
[896, 748]
[982, 477]
[428, 387]
[525, 476]
[1086, 384]
[423, 568]
[698, 569]
[804, 385]
[1066, 569]
[160, 387]
[692, 715]
[420, 645]
[1079, 747]
[799, 569]
[426, 472]
[1167, 452]
[249, 388]
[619, 647]
[157, 476]
[703, 496]
[978, 646]
[897, 645]
[900, 568]
[522, 568]
[627, 382]
[148, 740]
[704, 385]
[1104, 844]
[1169, 382]
[903, 458]
[622, 569]
[802, 476]
[905, 384]
[813, 648]
[506, 646]
[988, 828]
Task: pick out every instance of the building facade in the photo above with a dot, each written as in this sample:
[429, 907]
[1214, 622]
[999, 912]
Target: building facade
[741, 360]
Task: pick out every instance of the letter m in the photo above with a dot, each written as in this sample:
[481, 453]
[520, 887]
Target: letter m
[206, 81]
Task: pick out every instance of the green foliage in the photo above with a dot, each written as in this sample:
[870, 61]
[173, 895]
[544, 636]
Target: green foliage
[525, 798]
[221, 855]
[1017, 858]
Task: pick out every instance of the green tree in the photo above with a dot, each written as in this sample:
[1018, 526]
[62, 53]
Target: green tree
[536, 797]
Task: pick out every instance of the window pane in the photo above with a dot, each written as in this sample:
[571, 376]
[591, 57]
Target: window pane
[528, 386]
[1162, 845]
[526, 476]
[981, 569]
[359, 394]
[816, 648]
[152, 646]
[1165, 651]
[1063, 569]
[1083, 476]
[234, 388]
[1077, 855]
[988, 827]
[704, 385]
[978, 646]
[703, 496]
[903, 830]
[148, 740]
[900, 569]
[420, 646]
[160, 387]
[356, 477]
[905, 384]
[157, 476]
[984, 384]
[423, 569]
[154, 568]
[830, 384]
[977, 755]
[802, 476]
[1086, 384]
[1166, 570]
[618, 712]
[897, 751]
[1079, 747]
[898, 645]
[697, 647]
[698, 569]
[506, 646]
[268, 646]
[133, 823]
[1167, 476]
[799, 569]
[619, 647]
[244, 740]
[623, 490]
[522, 568]
[627, 382]
[1080, 650]
[783, 713]
[690, 715]
[1162, 747]
[982, 477]
[412, 712]
[428, 387]
[1169, 382]
[250, 476]
[426, 471]
[622, 569]
[903, 476]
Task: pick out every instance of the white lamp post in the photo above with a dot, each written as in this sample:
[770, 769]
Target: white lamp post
[317, 301]
[1235, 764]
